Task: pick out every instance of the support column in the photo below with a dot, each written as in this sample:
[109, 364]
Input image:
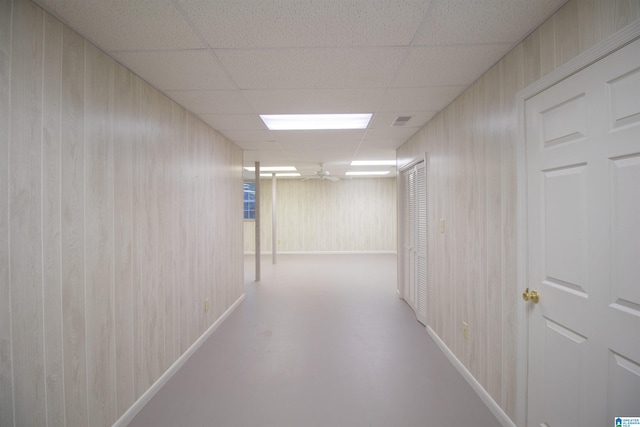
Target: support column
[274, 236]
[257, 177]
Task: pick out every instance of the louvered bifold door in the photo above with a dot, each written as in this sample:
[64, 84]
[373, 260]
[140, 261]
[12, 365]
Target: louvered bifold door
[421, 243]
[411, 191]
[404, 236]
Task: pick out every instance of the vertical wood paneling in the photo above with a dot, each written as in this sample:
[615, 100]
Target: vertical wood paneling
[118, 203]
[598, 19]
[137, 253]
[123, 237]
[168, 194]
[487, 118]
[476, 279]
[531, 57]
[448, 280]
[493, 242]
[315, 215]
[148, 238]
[98, 204]
[567, 32]
[25, 216]
[72, 229]
[51, 219]
[547, 46]
[513, 81]
[6, 370]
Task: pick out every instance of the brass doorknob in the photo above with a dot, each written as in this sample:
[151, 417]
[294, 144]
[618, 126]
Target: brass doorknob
[531, 296]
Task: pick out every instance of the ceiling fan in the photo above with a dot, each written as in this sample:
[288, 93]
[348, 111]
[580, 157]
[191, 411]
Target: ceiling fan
[323, 174]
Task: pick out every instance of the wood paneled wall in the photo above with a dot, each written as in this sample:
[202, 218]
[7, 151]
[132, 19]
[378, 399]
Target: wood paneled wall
[119, 215]
[356, 215]
[472, 151]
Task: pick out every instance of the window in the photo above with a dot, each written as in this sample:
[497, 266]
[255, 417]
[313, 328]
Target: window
[249, 200]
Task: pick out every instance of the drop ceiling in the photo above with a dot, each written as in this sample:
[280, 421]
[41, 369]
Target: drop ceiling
[228, 61]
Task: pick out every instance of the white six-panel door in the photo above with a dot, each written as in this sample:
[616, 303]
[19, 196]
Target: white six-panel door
[583, 213]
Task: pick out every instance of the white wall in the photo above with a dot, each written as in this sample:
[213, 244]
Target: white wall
[471, 144]
[352, 215]
[118, 217]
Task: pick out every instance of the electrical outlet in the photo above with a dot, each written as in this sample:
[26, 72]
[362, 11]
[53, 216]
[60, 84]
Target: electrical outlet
[206, 305]
[465, 330]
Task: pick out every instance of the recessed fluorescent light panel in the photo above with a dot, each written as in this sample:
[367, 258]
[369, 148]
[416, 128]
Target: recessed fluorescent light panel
[281, 174]
[271, 168]
[373, 163]
[315, 121]
[366, 173]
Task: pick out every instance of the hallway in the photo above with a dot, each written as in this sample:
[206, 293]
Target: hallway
[322, 340]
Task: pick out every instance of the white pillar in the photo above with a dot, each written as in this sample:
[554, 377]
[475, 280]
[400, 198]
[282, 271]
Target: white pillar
[274, 237]
[257, 221]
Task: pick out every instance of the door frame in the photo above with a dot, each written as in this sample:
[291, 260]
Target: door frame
[400, 289]
[590, 56]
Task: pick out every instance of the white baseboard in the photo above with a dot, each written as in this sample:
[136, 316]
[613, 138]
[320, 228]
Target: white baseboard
[128, 416]
[495, 409]
[325, 252]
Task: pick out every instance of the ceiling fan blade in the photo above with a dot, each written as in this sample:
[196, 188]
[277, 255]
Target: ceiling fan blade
[332, 178]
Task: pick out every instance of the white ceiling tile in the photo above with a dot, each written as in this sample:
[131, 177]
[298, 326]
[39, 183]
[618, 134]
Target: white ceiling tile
[211, 101]
[240, 136]
[334, 137]
[295, 23]
[177, 69]
[419, 98]
[314, 101]
[268, 157]
[320, 155]
[371, 152]
[448, 65]
[483, 21]
[385, 120]
[259, 146]
[126, 25]
[312, 68]
[395, 133]
[380, 144]
[234, 121]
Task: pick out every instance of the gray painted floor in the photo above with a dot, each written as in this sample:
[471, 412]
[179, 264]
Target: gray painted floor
[321, 340]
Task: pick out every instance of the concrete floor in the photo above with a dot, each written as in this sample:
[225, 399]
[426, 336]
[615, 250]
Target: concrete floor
[321, 340]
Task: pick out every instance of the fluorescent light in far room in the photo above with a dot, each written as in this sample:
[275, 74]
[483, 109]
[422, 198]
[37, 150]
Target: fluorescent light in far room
[373, 163]
[366, 173]
[281, 174]
[271, 168]
[315, 121]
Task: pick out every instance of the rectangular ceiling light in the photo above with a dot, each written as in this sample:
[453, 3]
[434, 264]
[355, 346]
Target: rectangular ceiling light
[373, 163]
[280, 174]
[315, 121]
[366, 173]
[271, 168]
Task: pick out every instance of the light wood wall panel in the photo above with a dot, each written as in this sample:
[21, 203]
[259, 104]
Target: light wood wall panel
[471, 146]
[72, 230]
[119, 215]
[51, 170]
[357, 215]
[6, 368]
[25, 215]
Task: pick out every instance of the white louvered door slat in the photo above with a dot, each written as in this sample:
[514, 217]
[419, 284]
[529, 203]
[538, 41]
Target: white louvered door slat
[421, 243]
[405, 248]
[412, 239]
